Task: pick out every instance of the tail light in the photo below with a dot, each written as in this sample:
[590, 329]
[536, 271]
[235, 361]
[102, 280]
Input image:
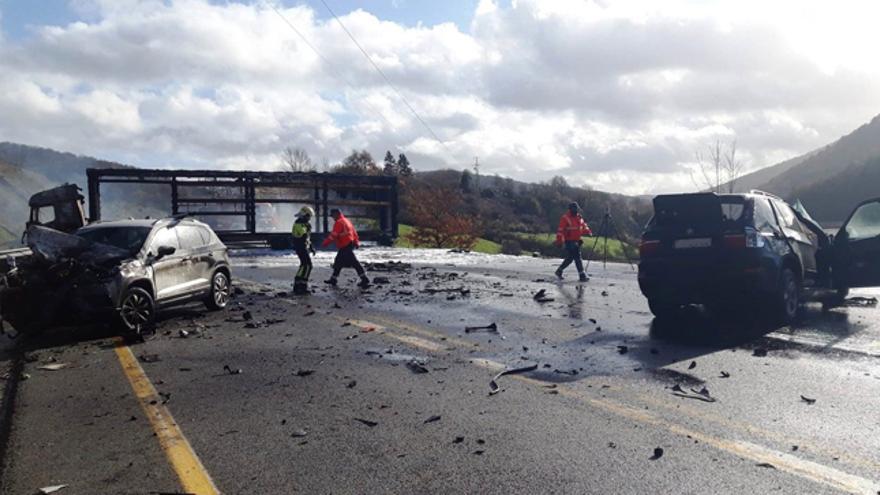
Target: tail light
[750, 239]
[647, 248]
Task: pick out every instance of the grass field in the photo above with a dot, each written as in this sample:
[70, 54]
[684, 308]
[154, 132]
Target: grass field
[482, 246]
[615, 247]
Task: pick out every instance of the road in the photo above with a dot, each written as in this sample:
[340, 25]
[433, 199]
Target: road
[383, 391]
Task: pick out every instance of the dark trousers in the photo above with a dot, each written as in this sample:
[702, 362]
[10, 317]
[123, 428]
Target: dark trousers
[345, 258]
[305, 267]
[572, 253]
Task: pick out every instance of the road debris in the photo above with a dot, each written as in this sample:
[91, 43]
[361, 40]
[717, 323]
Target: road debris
[658, 453]
[231, 371]
[701, 395]
[541, 296]
[149, 358]
[432, 419]
[766, 465]
[622, 349]
[493, 384]
[247, 316]
[858, 301]
[458, 440]
[367, 422]
[351, 384]
[808, 400]
[759, 352]
[725, 374]
[416, 367]
[304, 372]
[692, 365]
[51, 489]
[53, 366]
[299, 433]
[492, 327]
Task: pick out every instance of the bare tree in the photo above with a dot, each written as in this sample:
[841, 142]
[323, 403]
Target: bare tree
[718, 167]
[297, 160]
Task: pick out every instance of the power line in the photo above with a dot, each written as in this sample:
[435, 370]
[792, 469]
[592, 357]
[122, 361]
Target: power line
[387, 81]
[329, 65]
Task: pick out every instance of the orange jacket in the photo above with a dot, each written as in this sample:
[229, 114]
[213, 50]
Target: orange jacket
[572, 227]
[343, 234]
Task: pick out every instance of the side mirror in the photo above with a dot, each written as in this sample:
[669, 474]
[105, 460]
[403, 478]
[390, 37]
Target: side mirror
[164, 251]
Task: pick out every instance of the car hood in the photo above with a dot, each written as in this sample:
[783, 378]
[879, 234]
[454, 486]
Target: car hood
[53, 246]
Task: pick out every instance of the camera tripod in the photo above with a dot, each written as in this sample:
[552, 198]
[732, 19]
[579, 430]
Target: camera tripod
[606, 229]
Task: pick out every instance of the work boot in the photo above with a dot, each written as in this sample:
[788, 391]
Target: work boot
[331, 281]
[364, 283]
[583, 277]
[301, 290]
[559, 274]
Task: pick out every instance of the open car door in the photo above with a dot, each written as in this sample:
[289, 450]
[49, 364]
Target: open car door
[857, 248]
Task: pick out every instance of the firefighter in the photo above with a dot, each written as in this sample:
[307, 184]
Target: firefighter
[302, 244]
[571, 227]
[346, 239]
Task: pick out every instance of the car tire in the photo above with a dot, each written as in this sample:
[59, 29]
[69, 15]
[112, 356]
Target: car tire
[662, 310]
[137, 311]
[788, 298]
[221, 292]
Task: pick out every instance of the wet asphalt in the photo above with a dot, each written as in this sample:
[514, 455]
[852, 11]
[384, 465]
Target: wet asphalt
[384, 391]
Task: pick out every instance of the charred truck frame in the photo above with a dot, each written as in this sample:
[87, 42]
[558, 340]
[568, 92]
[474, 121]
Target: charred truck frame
[250, 209]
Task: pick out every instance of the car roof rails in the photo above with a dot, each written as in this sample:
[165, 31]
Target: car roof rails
[764, 193]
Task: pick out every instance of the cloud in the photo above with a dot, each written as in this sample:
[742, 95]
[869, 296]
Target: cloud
[615, 94]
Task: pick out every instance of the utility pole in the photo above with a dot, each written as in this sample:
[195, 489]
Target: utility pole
[477, 172]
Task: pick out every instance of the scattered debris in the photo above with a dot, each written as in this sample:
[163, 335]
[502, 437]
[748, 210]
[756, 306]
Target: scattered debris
[182, 333]
[658, 453]
[299, 433]
[304, 372]
[149, 358]
[381, 280]
[493, 384]
[479, 452]
[604, 293]
[458, 440]
[247, 316]
[766, 465]
[416, 367]
[432, 419]
[53, 366]
[351, 384]
[701, 395]
[236, 371]
[860, 301]
[759, 352]
[692, 365]
[571, 372]
[366, 422]
[622, 349]
[724, 374]
[541, 296]
[808, 400]
[492, 327]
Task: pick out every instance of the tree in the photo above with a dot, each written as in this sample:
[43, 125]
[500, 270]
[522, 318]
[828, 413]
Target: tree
[559, 184]
[358, 163]
[297, 160]
[465, 183]
[440, 221]
[390, 164]
[719, 168]
[403, 166]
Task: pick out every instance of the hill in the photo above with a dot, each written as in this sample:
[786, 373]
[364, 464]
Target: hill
[829, 180]
[16, 186]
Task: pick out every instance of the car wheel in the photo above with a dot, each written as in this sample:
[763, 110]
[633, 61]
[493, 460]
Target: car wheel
[221, 290]
[137, 311]
[789, 297]
[662, 310]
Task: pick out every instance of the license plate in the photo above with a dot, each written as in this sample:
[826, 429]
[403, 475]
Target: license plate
[701, 242]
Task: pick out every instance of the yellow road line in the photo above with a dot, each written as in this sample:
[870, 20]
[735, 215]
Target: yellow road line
[193, 476]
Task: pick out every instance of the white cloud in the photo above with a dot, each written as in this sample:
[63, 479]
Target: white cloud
[616, 94]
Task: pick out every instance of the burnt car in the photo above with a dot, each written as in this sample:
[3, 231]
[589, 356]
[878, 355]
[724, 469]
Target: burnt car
[735, 250]
[121, 271]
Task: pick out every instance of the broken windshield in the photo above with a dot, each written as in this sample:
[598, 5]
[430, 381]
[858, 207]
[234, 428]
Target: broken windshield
[130, 239]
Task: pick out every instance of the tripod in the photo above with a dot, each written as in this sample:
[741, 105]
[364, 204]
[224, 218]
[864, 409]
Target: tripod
[606, 229]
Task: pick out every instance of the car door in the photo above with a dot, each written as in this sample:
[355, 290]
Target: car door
[197, 261]
[168, 277]
[802, 241]
[857, 248]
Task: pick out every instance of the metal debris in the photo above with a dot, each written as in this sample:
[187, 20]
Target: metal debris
[304, 372]
[231, 371]
[432, 419]
[725, 374]
[149, 358]
[416, 367]
[759, 352]
[808, 400]
[366, 422]
[299, 433]
[53, 366]
[51, 489]
[493, 384]
[622, 349]
[658, 453]
[492, 327]
[692, 365]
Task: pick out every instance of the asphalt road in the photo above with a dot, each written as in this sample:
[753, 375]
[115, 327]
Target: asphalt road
[383, 391]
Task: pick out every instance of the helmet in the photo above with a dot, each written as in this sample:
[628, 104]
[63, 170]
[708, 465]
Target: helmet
[574, 206]
[306, 211]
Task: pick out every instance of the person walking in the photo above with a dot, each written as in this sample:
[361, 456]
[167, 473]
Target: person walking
[571, 227]
[302, 245]
[346, 238]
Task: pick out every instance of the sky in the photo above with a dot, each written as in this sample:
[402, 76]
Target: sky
[617, 95]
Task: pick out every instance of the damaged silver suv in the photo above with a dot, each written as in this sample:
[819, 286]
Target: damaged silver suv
[121, 270]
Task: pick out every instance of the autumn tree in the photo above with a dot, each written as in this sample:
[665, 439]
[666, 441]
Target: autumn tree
[358, 163]
[297, 160]
[440, 221]
[465, 182]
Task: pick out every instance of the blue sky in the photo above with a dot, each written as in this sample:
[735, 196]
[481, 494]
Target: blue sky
[19, 16]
